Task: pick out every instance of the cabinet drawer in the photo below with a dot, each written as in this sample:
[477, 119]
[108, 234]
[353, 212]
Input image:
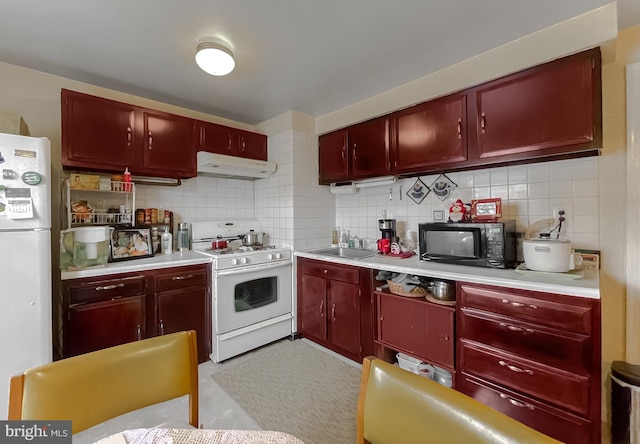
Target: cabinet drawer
[173, 278]
[332, 271]
[551, 384]
[550, 346]
[547, 419]
[105, 289]
[564, 312]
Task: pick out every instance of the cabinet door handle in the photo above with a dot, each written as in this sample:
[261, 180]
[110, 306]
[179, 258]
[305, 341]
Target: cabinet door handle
[110, 287]
[355, 156]
[516, 328]
[180, 278]
[325, 271]
[321, 308]
[150, 141]
[343, 153]
[333, 312]
[161, 327]
[139, 332]
[128, 136]
[513, 368]
[483, 123]
[519, 304]
[517, 403]
[459, 128]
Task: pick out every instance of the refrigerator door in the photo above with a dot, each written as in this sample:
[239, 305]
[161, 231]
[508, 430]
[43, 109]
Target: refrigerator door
[25, 183]
[25, 305]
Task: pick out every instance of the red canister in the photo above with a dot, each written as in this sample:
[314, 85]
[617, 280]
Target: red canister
[218, 244]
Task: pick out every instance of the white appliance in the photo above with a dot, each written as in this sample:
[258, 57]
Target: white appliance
[252, 288]
[231, 167]
[25, 257]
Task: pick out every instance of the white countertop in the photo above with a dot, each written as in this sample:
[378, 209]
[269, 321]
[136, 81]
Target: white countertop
[133, 265]
[588, 286]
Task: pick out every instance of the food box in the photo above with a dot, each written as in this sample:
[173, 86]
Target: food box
[84, 182]
[408, 363]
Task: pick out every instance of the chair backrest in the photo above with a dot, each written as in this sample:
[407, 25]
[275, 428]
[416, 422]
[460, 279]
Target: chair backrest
[94, 387]
[398, 406]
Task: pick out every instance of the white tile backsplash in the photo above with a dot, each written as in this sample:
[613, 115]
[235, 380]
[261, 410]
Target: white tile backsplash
[295, 210]
[529, 193]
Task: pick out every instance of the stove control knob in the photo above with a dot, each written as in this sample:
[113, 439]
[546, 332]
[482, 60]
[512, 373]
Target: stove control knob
[278, 256]
[270, 257]
[243, 260]
[234, 261]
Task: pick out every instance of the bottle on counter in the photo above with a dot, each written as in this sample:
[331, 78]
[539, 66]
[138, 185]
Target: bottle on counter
[127, 180]
[166, 240]
[335, 237]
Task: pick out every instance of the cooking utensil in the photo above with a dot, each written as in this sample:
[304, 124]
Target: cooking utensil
[251, 238]
[219, 244]
[442, 290]
[546, 254]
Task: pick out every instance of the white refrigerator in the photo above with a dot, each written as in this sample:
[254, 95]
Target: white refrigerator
[25, 257]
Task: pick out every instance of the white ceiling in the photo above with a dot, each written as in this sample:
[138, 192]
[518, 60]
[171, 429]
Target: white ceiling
[311, 56]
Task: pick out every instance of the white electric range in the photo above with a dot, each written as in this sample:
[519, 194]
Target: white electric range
[252, 287]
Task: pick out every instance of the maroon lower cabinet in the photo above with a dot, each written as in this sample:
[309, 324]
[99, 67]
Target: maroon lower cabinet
[544, 417]
[415, 326]
[103, 311]
[534, 356]
[334, 307]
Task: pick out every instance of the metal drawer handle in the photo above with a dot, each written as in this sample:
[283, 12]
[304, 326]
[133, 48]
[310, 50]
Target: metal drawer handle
[321, 308]
[333, 312]
[180, 278]
[161, 327]
[519, 304]
[515, 328]
[459, 128]
[513, 368]
[517, 403]
[110, 287]
[139, 332]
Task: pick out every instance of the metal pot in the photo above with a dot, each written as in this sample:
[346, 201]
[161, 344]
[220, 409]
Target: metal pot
[251, 238]
[445, 291]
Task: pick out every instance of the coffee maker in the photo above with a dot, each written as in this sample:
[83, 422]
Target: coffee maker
[387, 227]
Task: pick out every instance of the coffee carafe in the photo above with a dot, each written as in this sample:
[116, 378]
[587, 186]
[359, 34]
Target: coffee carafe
[183, 237]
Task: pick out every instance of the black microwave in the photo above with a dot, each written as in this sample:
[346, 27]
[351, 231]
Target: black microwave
[491, 245]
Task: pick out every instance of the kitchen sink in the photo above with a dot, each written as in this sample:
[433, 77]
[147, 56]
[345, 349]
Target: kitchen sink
[352, 253]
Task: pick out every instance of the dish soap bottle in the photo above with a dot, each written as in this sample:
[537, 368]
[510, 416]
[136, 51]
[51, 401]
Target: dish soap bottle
[166, 240]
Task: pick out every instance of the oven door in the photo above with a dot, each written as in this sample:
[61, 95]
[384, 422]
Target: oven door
[247, 295]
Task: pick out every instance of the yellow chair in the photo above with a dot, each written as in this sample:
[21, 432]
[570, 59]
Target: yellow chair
[396, 406]
[95, 387]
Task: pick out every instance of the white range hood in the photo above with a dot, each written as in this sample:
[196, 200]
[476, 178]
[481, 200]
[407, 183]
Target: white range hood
[231, 167]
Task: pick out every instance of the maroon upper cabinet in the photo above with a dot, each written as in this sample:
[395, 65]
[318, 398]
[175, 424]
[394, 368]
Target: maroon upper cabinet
[105, 135]
[222, 139]
[356, 152]
[333, 157]
[168, 143]
[548, 110]
[432, 134]
[97, 133]
[369, 148]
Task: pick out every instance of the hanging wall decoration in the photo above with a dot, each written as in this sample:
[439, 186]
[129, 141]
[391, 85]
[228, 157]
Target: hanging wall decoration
[418, 191]
[443, 187]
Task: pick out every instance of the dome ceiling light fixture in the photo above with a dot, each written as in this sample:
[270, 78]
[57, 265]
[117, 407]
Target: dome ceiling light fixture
[214, 58]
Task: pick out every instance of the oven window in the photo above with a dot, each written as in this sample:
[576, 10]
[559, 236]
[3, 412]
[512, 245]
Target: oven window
[451, 243]
[256, 293]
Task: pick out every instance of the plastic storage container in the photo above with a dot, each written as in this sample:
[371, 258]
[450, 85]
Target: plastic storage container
[625, 394]
[408, 363]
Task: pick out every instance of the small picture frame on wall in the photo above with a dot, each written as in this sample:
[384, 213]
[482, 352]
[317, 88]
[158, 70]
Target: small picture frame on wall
[130, 243]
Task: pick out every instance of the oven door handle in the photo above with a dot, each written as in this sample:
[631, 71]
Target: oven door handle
[254, 268]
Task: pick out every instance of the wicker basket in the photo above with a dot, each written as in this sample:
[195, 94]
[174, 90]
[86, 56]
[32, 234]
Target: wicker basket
[416, 292]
